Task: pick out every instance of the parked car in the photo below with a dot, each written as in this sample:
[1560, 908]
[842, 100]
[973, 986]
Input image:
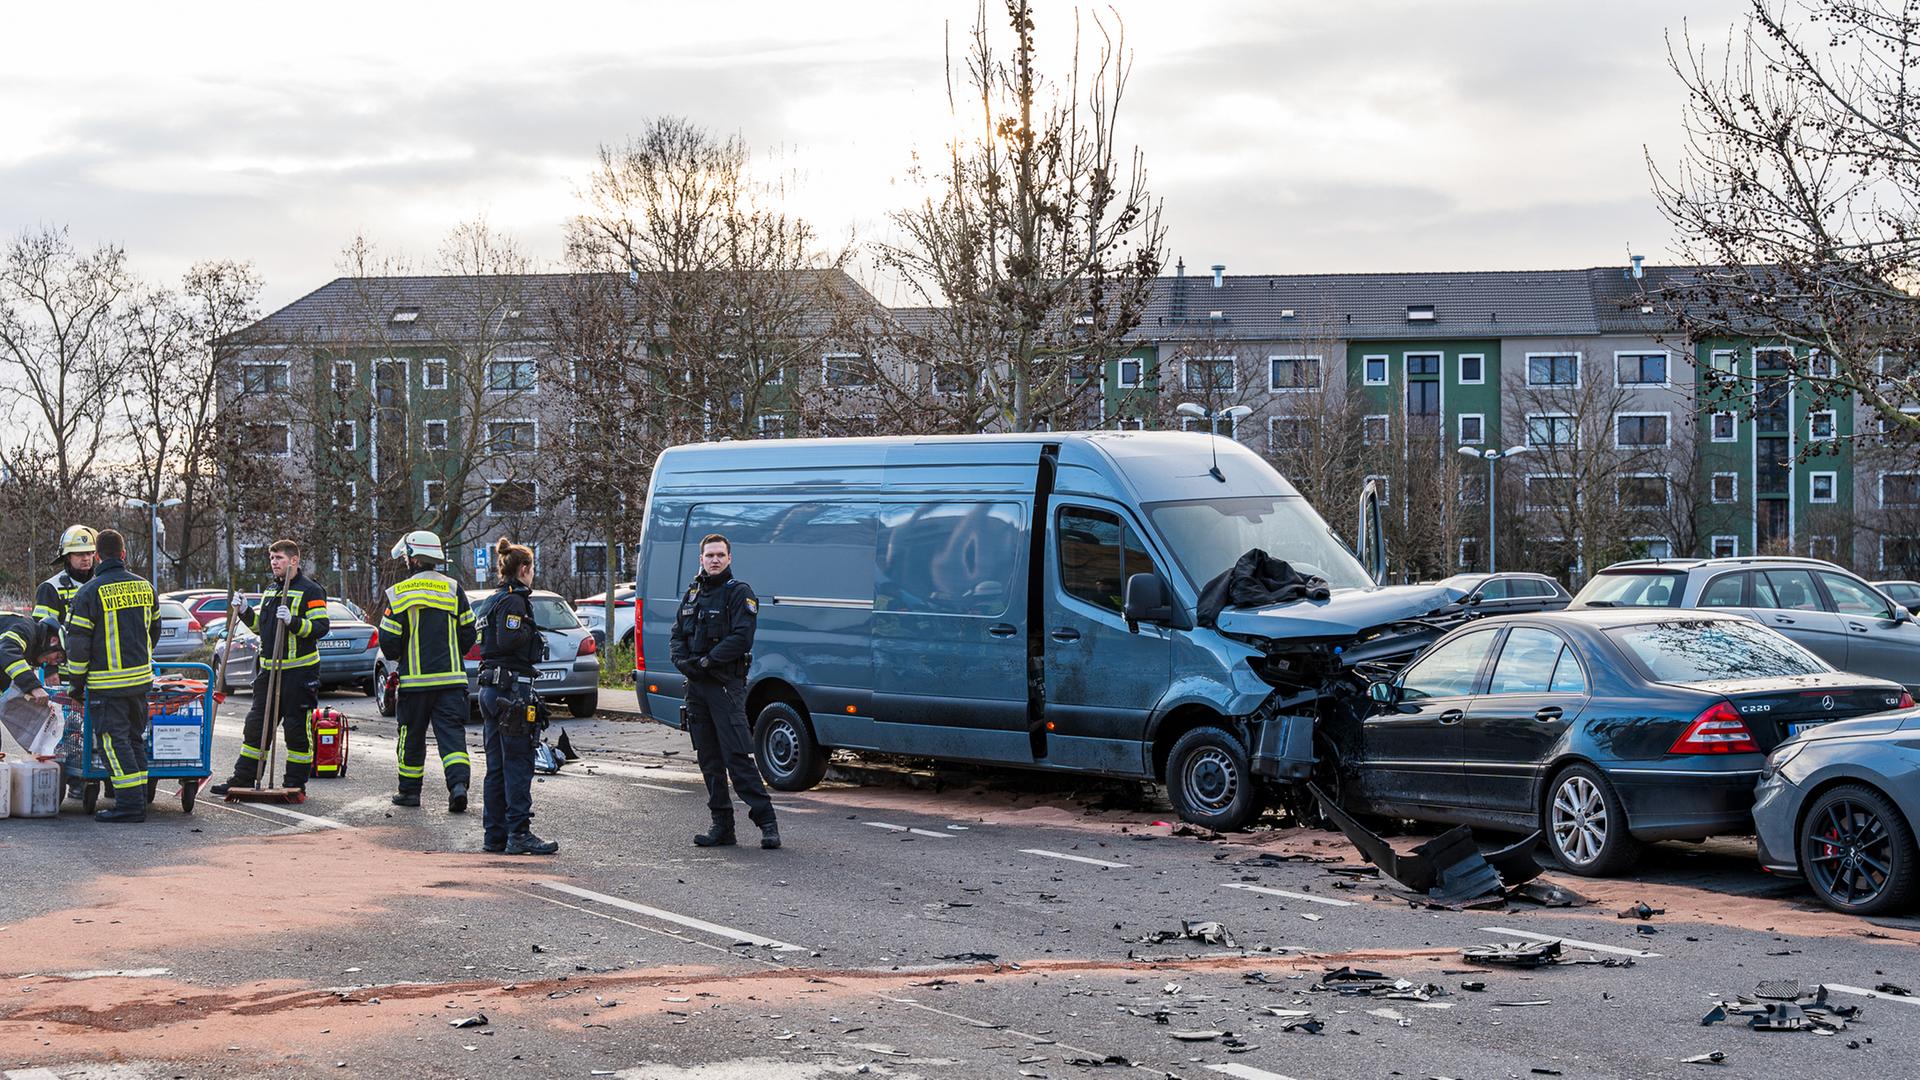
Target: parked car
[1906, 593]
[1602, 729]
[210, 607]
[1837, 616]
[1505, 594]
[180, 632]
[1838, 806]
[347, 653]
[592, 613]
[571, 672]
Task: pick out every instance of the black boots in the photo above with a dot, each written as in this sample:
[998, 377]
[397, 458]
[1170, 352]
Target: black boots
[126, 812]
[457, 799]
[719, 835]
[528, 844]
[770, 835]
[405, 799]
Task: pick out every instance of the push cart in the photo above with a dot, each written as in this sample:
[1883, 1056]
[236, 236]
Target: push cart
[180, 713]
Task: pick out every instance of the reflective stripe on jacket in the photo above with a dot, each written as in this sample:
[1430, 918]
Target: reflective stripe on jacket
[112, 624]
[427, 629]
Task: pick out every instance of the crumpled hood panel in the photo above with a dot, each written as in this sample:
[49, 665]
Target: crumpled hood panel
[1346, 613]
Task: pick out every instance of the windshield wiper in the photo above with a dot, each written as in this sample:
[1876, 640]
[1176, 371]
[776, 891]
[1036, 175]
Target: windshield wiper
[1600, 603]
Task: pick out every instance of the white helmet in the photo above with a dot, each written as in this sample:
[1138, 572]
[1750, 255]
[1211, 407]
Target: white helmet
[422, 544]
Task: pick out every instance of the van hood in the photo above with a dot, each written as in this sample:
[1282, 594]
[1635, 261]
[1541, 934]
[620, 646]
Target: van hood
[1347, 613]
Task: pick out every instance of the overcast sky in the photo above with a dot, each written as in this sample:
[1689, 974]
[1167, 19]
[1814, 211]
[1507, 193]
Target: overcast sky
[1285, 137]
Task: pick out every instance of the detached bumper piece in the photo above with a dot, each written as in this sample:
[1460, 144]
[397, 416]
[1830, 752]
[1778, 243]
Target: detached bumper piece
[1449, 869]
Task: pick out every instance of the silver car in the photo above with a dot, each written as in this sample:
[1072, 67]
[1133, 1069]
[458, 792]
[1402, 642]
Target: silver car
[1835, 615]
[180, 633]
[570, 673]
[347, 653]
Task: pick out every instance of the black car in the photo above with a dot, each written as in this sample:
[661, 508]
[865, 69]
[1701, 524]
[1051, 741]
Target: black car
[1505, 594]
[1603, 729]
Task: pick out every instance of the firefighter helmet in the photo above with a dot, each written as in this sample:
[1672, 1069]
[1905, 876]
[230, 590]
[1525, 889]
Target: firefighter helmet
[77, 540]
[421, 544]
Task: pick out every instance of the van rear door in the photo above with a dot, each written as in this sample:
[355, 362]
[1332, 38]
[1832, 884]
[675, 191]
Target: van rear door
[1102, 681]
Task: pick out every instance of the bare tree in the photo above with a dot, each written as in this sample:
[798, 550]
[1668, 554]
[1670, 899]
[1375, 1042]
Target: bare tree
[1798, 194]
[1036, 254]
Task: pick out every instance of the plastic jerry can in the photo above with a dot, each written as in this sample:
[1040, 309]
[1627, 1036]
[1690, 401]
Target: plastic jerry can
[36, 788]
[6, 789]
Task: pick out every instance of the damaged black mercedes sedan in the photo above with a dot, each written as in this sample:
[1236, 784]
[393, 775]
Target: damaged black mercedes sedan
[1602, 729]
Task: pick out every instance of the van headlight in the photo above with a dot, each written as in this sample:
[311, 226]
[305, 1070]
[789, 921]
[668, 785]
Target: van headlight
[1780, 756]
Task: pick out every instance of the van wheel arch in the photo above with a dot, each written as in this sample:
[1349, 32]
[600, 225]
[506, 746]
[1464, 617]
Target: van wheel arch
[1182, 719]
[768, 691]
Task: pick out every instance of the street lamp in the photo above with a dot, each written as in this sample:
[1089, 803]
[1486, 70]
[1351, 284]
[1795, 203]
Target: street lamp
[1491, 456]
[153, 533]
[1213, 418]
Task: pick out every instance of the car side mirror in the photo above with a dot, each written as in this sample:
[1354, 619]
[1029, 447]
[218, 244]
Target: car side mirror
[1384, 693]
[1146, 601]
[1471, 600]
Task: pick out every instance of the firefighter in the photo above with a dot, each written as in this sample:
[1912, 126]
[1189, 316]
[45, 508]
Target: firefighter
[293, 608]
[77, 556]
[112, 623]
[510, 645]
[25, 645]
[427, 629]
[712, 637]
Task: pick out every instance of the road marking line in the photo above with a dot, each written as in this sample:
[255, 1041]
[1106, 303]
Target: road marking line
[789, 808]
[667, 916]
[654, 930]
[31, 1074]
[1247, 1072]
[636, 772]
[313, 820]
[659, 787]
[1327, 900]
[1575, 942]
[1074, 858]
[110, 973]
[1862, 992]
[904, 829]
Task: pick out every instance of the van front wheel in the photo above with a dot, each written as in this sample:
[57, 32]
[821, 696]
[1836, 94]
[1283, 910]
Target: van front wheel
[790, 759]
[1209, 781]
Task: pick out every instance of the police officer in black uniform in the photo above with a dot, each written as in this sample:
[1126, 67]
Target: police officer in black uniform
[510, 645]
[712, 640]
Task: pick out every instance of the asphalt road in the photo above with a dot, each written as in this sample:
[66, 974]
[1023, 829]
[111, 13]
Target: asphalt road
[964, 924]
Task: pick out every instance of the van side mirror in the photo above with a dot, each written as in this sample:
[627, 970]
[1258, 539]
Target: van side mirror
[1146, 601]
[1384, 693]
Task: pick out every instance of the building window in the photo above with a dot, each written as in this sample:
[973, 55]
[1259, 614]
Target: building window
[1473, 487]
[1724, 487]
[515, 375]
[1374, 370]
[1823, 547]
[346, 435]
[772, 426]
[1290, 433]
[1641, 369]
[1726, 547]
[433, 374]
[1423, 363]
[431, 493]
[1473, 369]
[1899, 489]
[343, 376]
[1725, 427]
[1380, 484]
[253, 559]
[1773, 358]
[1724, 362]
[1551, 430]
[273, 438]
[404, 316]
[1653, 547]
[1473, 428]
[265, 377]
[1469, 552]
[512, 497]
[346, 496]
[843, 370]
[1822, 487]
[1819, 365]
[1640, 430]
[1901, 554]
[1642, 491]
[1228, 426]
[589, 559]
[1547, 491]
[1210, 374]
[433, 434]
[1293, 373]
[1423, 398]
[1130, 372]
[1129, 424]
[512, 436]
[849, 427]
[1553, 369]
[1373, 430]
[1820, 425]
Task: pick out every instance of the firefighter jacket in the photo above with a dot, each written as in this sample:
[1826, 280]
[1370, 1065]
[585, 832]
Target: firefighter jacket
[22, 642]
[427, 629]
[111, 626]
[308, 602]
[510, 639]
[55, 593]
[713, 633]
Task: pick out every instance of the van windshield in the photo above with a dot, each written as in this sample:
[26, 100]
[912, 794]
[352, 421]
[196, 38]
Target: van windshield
[1208, 536]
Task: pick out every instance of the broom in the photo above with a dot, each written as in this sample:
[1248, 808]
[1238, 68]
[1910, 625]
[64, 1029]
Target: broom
[270, 721]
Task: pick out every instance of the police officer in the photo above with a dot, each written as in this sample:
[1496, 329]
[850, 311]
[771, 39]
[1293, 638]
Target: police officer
[427, 629]
[111, 626]
[77, 556]
[712, 640]
[510, 645]
[291, 620]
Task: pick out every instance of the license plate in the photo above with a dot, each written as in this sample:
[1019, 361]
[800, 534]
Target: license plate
[1795, 729]
[326, 644]
[550, 676]
[166, 631]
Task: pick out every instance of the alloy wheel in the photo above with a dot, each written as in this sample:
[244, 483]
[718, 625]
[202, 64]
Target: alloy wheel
[1579, 819]
[1850, 854]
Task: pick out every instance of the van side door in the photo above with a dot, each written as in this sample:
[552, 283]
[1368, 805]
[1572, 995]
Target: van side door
[1102, 682]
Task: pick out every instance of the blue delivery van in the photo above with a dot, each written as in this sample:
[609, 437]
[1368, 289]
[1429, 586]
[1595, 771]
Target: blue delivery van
[1026, 600]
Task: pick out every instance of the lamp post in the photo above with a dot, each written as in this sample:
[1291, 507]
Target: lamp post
[1213, 417]
[153, 533]
[1490, 457]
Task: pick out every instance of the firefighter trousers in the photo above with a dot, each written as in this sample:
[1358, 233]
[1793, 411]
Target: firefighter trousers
[299, 692]
[445, 710]
[120, 735]
[717, 722]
